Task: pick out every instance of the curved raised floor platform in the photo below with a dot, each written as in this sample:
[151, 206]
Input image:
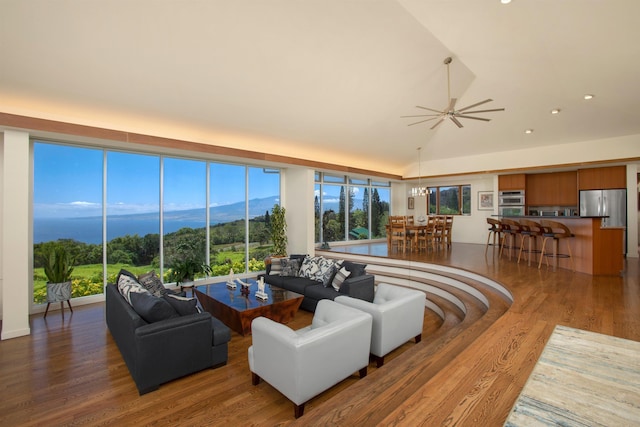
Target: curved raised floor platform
[496, 318]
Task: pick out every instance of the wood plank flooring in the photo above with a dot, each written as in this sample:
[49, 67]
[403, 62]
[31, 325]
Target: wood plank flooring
[70, 372]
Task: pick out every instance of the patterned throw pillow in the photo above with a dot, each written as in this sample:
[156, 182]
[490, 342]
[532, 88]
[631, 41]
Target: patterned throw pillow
[276, 266]
[127, 284]
[308, 268]
[290, 267]
[152, 283]
[339, 278]
[319, 269]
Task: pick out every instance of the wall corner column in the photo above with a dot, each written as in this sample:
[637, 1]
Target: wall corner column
[15, 234]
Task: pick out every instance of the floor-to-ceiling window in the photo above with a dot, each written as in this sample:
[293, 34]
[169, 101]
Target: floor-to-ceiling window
[153, 210]
[184, 213]
[67, 212]
[350, 208]
[132, 212]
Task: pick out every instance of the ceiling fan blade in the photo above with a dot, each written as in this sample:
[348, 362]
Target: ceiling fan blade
[483, 111]
[422, 121]
[454, 120]
[421, 115]
[476, 104]
[474, 118]
[439, 121]
[452, 104]
[430, 109]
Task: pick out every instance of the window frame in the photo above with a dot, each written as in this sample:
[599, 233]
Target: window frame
[464, 199]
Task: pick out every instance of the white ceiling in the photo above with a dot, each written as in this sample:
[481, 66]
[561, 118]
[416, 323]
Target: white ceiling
[329, 76]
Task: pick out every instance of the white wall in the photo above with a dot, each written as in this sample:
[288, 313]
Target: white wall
[16, 234]
[627, 147]
[466, 228]
[298, 198]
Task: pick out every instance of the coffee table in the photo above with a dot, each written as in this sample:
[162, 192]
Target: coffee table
[237, 310]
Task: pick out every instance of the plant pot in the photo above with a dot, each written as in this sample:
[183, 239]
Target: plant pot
[58, 292]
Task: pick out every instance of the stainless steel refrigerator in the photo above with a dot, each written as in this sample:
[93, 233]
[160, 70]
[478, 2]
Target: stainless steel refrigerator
[610, 203]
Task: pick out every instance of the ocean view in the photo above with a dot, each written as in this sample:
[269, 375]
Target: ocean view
[89, 230]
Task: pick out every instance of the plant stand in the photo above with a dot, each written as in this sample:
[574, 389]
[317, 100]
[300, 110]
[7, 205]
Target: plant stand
[61, 307]
[59, 292]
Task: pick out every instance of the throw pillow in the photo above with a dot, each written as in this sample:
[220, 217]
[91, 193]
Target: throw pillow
[319, 269]
[339, 278]
[152, 309]
[309, 267]
[183, 306]
[128, 285]
[276, 266]
[355, 268]
[290, 267]
[152, 283]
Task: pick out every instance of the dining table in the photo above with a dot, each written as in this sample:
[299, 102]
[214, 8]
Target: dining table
[413, 231]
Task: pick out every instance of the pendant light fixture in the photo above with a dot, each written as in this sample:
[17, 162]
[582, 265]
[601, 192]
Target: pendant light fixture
[419, 190]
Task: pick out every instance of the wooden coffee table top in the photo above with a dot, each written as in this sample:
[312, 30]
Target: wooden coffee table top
[237, 310]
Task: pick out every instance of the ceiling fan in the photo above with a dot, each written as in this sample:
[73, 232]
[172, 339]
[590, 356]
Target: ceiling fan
[450, 112]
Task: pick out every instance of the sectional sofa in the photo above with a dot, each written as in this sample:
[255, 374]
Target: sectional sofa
[318, 278]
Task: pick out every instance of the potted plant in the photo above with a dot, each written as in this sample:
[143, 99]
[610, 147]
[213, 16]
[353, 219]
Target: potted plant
[58, 266]
[279, 231]
[185, 271]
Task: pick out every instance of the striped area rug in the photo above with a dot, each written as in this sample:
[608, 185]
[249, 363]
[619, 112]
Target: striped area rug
[582, 379]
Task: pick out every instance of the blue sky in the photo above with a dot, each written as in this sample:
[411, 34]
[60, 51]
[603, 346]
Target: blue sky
[68, 182]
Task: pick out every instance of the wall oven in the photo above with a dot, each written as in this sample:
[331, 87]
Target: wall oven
[511, 198]
[511, 211]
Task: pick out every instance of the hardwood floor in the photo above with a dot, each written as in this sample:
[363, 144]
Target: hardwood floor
[464, 372]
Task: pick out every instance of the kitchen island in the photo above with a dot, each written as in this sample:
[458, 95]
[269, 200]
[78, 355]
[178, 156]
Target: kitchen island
[596, 250]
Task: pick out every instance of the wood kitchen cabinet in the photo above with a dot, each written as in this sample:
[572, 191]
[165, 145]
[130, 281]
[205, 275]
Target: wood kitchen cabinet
[552, 189]
[602, 178]
[512, 182]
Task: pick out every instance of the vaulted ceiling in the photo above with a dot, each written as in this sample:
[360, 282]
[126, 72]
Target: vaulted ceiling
[328, 79]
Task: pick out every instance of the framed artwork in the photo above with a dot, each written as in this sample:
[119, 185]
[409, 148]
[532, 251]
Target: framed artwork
[410, 203]
[485, 200]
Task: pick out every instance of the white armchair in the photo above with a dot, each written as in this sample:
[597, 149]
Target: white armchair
[398, 315]
[302, 364]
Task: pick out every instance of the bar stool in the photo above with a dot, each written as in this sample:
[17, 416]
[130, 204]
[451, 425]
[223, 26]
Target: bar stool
[555, 231]
[530, 231]
[511, 229]
[495, 230]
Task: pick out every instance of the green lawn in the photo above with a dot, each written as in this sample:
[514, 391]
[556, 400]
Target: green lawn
[87, 279]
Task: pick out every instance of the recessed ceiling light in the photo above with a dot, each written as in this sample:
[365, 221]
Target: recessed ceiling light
[588, 96]
[528, 131]
[555, 111]
[505, 1]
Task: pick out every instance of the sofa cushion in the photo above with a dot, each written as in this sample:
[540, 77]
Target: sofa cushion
[319, 292]
[152, 283]
[294, 284]
[339, 278]
[355, 268]
[220, 332]
[150, 308]
[183, 306]
[290, 266]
